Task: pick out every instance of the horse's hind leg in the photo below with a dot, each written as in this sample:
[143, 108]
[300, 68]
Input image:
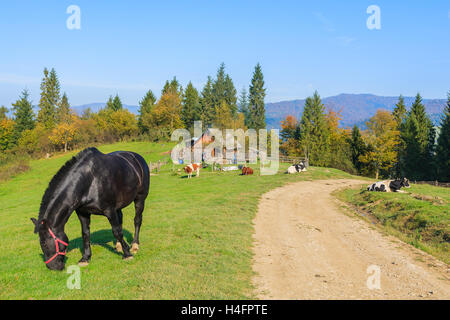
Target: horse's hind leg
[118, 245]
[114, 220]
[139, 204]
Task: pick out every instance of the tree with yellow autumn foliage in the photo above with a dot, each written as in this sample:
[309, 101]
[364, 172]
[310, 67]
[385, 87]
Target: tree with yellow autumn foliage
[164, 117]
[64, 133]
[382, 137]
[290, 136]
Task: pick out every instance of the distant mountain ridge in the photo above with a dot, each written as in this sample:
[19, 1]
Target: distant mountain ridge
[96, 106]
[356, 108]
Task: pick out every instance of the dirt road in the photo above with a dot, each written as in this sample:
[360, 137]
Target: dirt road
[306, 247]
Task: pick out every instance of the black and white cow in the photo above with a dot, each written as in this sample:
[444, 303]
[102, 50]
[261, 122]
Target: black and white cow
[296, 168]
[389, 185]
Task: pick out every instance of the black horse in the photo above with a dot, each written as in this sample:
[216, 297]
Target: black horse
[92, 183]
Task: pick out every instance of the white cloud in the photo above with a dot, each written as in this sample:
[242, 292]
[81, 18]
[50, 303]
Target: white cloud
[326, 23]
[345, 40]
[17, 79]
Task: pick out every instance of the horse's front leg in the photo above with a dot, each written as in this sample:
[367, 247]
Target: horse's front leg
[116, 225]
[85, 220]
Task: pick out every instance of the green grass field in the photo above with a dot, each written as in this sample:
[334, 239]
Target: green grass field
[196, 236]
[420, 217]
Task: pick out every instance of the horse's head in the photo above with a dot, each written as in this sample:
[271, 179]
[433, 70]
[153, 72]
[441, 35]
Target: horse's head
[53, 244]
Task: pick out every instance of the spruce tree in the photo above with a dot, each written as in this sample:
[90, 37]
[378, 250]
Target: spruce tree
[117, 103]
[166, 87]
[243, 106]
[314, 131]
[173, 87]
[191, 109]
[257, 93]
[145, 106]
[399, 111]
[207, 104]
[357, 147]
[23, 115]
[219, 86]
[418, 136]
[3, 112]
[443, 145]
[110, 104]
[50, 99]
[63, 111]
[230, 96]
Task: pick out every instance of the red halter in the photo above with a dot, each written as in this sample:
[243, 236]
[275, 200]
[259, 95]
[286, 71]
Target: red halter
[58, 253]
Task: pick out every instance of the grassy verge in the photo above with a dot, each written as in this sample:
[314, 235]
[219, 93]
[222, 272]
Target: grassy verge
[420, 217]
[196, 235]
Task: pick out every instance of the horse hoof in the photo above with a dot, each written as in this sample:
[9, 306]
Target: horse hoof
[119, 247]
[134, 248]
[128, 258]
[83, 263]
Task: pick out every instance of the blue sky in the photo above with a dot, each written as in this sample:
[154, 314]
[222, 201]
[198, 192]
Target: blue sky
[128, 47]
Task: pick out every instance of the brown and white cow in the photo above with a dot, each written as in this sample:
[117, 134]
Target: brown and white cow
[247, 171]
[189, 169]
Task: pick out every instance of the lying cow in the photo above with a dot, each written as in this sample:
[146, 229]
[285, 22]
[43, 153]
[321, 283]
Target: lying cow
[389, 186]
[189, 169]
[296, 168]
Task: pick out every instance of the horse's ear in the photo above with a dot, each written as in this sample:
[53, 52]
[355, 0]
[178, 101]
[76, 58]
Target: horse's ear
[37, 225]
[36, 228]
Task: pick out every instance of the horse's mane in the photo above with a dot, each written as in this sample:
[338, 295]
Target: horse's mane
[60, 175]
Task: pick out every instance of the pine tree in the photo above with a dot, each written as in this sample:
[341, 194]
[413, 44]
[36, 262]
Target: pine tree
[145, 106]
[117, 103]
[223, 90]
[63, 111]
[357, 147]
[443, 145]
[23, 115]
[243, 106]
[418, 136]
[314, 131]
[257, 93]
[114, 104]
[166, 88]
[207, 103]
[191, 109]
[230, 96]
[110, 103]
[3, 112]
[219, 86]
[173, 87]
[399, 111]
[50, 99]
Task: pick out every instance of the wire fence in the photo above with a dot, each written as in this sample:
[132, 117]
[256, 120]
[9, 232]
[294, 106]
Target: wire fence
[434, 183]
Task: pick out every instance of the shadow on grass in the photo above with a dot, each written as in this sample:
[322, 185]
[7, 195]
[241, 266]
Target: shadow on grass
[102, 238]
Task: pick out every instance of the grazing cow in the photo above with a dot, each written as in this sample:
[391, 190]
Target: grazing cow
[247, 171]
[389, 186]
[296, 168]
[189, 169]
